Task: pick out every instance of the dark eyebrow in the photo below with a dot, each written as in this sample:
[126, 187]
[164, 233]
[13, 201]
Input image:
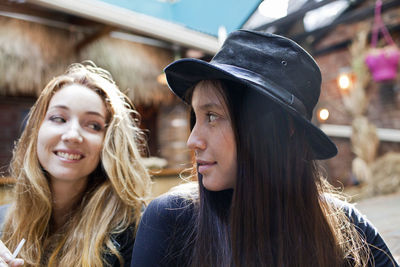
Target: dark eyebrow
[210, 106]
[87, 112]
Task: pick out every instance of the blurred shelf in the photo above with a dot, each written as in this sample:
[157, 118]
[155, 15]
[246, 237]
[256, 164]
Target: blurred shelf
[7, 181]
[155, 173]
[166, 172]
[345, 131]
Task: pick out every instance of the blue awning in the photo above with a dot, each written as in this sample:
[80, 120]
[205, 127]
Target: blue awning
[201, 15]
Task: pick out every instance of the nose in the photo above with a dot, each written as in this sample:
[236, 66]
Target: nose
[72, 134]
[195, 140]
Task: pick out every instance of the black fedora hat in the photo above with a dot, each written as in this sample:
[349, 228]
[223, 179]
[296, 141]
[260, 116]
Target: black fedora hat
[272, 65]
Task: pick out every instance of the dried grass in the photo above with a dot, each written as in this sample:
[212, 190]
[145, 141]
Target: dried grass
[377, 176]
[364, 139]
[135, 67]
[356, 102]
[384, 178]
[30, 54]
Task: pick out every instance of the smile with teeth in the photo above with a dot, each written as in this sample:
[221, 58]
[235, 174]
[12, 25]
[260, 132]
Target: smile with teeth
[69, 156]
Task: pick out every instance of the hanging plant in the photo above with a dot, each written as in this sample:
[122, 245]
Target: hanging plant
[382, 61]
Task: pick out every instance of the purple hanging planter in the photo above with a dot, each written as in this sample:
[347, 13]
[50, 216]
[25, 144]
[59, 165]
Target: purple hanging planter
[382, 62]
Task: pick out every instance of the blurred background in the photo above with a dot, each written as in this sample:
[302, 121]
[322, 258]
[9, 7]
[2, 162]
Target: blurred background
[359, 108]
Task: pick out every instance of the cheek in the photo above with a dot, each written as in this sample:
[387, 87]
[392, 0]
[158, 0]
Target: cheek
[233, 153]
[233, 157]
[227, 147]
[48, 134]
[42, 144]
[231, 143]
[96, 145]
[43, 139]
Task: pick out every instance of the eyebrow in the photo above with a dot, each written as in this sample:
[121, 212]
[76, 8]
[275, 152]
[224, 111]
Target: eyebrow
[87, 112]
[210, 105]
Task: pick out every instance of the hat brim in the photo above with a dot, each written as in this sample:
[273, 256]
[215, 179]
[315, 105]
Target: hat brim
[186, 73]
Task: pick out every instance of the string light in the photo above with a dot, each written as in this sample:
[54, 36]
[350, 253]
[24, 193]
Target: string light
[344, 81]
[323, 114]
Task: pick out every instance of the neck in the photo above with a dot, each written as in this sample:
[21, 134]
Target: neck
[65, 197]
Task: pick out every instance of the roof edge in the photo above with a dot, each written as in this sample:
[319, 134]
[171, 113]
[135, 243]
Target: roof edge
[140, 23]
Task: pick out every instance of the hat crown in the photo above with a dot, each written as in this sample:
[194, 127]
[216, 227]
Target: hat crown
[275, 60]
[271, 65]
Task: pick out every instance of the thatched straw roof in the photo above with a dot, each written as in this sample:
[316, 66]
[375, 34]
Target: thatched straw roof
[134, 66]
[31, 54]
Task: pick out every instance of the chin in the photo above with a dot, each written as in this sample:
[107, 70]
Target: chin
[215, 187]
[67, 177]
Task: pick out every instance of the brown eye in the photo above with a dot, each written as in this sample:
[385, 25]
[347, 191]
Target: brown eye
[57, 119]
[211, 117]
[95, 126]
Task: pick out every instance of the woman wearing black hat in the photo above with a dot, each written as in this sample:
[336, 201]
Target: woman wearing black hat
[260, 200]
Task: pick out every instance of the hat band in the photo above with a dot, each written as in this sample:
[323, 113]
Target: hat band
[270, 86]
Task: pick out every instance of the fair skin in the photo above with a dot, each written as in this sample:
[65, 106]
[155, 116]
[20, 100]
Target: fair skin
[6, 258]
[69, 144]
[212, 139]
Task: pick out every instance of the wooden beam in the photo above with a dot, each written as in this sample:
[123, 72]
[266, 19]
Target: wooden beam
[93, 37]
[345, 131]
[294, 16]
[345, 43]
[349, 18]
[51, 18]
[32, 10]
[45, 16]
[138, 23]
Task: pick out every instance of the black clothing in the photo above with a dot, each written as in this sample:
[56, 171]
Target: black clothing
[124, 244]
[165, 218]
[168, 216]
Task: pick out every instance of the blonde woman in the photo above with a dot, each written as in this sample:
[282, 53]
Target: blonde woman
[81, 183]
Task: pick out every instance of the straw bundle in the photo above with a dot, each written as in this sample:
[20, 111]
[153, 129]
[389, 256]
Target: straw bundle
[356, 102]
[382, 175]
[364, 139]
[386, 173]
[30, 54]
[361, 170]
[135, 67]
[365, 143]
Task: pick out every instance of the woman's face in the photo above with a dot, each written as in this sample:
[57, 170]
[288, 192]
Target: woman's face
[70, 138]
[212, 139]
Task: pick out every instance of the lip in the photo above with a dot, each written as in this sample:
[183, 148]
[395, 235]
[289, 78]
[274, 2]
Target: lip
[72, 155]
[203, 165]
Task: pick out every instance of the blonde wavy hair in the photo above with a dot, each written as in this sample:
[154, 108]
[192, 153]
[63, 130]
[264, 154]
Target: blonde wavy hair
[114, 197]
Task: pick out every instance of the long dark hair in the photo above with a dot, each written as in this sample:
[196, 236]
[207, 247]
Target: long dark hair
[276, 215]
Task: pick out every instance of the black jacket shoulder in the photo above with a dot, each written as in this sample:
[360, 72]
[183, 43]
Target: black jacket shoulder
[160, 236]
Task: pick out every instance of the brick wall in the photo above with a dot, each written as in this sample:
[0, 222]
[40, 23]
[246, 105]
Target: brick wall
[383, 109]
[12, 114]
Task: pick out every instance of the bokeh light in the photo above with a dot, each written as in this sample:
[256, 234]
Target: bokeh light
[323, 114]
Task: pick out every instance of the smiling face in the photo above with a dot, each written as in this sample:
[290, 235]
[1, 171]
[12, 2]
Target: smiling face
[70, 138]
[212, 138]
